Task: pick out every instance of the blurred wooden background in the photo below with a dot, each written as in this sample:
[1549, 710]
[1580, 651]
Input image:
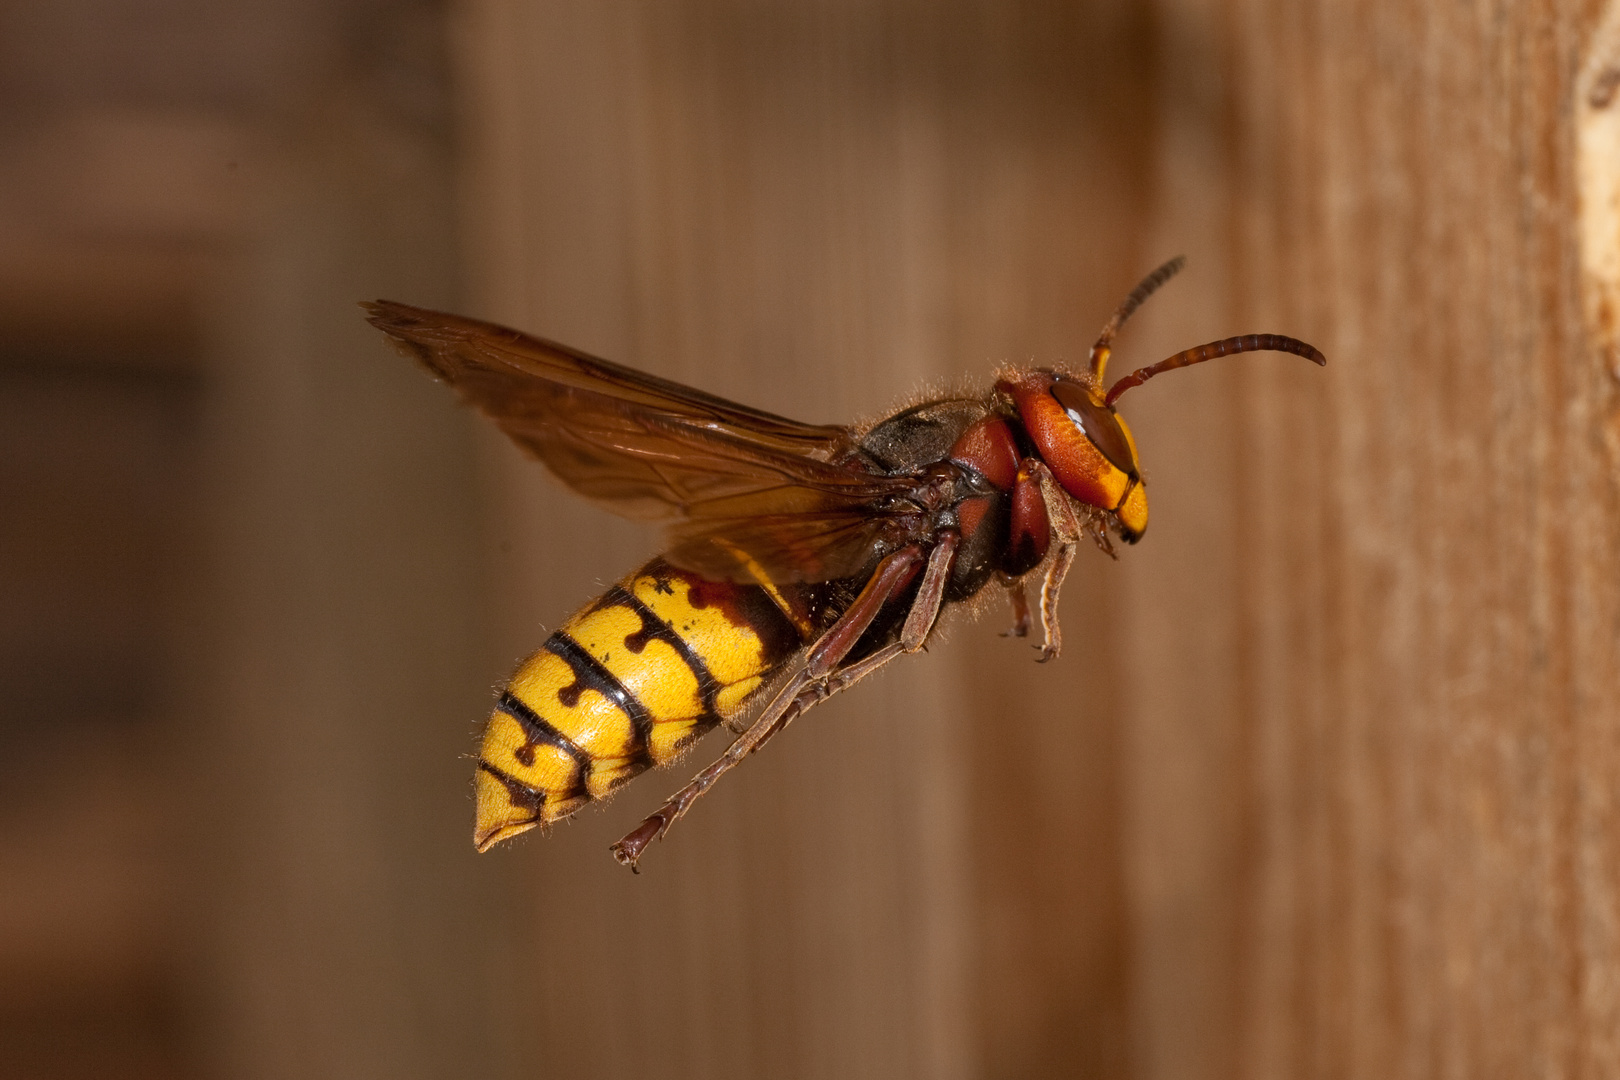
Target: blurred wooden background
[1322, 786]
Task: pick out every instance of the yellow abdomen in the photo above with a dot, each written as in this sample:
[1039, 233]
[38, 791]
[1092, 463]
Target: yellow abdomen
[626, 684]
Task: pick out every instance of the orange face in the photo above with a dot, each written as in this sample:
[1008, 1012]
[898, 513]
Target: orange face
[1085, 444]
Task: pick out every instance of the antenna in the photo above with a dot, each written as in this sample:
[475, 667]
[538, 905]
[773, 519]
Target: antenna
[1148, 286]
[1225, 347]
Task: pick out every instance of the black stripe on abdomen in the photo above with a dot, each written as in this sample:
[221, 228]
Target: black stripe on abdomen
[540, 732]
[589, 674]
[654, 628]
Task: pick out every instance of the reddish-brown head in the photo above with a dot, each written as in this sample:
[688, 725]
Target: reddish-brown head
[1072, 422]
[1085, 444]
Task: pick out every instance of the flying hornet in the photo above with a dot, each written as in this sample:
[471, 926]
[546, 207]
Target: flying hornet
[801, 558]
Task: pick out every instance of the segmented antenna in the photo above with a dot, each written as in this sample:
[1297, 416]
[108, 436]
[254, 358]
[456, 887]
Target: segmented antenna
[1225, 347]
[1149, 285]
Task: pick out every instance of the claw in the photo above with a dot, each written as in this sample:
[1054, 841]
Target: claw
[628, 850]
[1020, 606]
[1097, 526]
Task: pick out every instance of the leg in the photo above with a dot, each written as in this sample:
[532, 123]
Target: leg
[1068, 530]
[806, 688]
[893, 574]
[629, 847]
[914, 633]
[931, 596]
[919, 623]
[1020, 606]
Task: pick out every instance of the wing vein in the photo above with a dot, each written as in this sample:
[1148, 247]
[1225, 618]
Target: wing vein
[742, 489]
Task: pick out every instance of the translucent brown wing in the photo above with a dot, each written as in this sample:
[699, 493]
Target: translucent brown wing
[746, 491]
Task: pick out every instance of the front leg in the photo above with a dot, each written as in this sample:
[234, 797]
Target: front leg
[1068, 530]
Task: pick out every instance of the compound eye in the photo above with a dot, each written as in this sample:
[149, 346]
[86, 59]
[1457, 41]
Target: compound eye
[1098, 422]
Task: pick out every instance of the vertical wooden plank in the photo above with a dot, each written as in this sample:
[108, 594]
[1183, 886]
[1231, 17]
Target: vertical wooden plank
[1423, 686]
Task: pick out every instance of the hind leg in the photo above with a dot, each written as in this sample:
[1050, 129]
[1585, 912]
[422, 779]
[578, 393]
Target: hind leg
[820, 677]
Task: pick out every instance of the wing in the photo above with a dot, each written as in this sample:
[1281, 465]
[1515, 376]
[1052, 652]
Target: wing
[748, 493]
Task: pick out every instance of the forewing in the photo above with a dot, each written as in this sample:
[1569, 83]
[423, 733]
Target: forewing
[749, 493]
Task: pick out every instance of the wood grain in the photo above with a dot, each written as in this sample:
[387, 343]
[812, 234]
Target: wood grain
[1419, 873]
[1328, 791]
